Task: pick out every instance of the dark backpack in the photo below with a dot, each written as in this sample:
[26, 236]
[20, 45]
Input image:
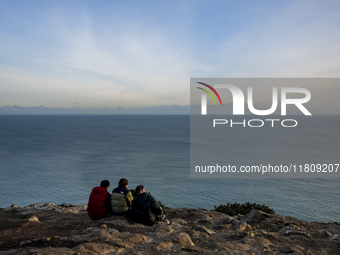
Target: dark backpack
[143, 214]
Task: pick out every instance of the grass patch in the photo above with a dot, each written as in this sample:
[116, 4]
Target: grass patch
[236, 208]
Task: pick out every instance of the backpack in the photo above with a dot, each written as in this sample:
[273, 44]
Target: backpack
[143, 215]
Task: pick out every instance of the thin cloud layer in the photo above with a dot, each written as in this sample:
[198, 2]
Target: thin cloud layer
[156, 109]
[55, 54]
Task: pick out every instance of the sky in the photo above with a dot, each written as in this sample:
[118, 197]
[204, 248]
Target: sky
[138, 56]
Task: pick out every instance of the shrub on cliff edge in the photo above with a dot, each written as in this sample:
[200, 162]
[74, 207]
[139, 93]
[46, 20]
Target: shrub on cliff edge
[236, 208]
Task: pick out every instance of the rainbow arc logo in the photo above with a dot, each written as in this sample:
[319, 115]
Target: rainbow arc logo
[209, 93]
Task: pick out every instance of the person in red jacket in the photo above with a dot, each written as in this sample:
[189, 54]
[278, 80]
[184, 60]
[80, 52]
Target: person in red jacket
[99, 205]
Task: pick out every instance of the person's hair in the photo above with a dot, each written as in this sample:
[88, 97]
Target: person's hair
[139, 188]
[123, 182]
[105, 183]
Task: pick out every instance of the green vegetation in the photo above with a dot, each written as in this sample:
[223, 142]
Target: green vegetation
[236, 208]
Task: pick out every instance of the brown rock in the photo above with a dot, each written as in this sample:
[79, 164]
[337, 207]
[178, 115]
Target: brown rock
[41, 251]
[33, 218]
[223, 227]
[164, 246]
[192, 249]
[254, 216]
[203, 229]
[67, 210]
[51, 250]
[183, 238]
[82, 208]
[226, 220]
[297, 232]
[229, 247]
[242, 226]
[94, 248]
[258, 241]
[163, 229]
[326, 233]
[37, 205]
[138, 238]
[180, 222]
[336, 238]
[198, 234]
[292, 249]
[295, 237]
[188, 232]
[119, 243]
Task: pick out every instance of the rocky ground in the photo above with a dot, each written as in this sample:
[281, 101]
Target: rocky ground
[65, 229]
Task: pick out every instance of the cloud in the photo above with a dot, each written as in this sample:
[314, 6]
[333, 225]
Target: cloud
[298, 40]
[78, 53]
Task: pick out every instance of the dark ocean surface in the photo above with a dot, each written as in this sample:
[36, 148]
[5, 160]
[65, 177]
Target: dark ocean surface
[60, 158]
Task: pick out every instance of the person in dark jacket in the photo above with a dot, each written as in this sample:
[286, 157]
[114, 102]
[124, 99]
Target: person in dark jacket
[121, 198]
[145, 209]
[99, 205]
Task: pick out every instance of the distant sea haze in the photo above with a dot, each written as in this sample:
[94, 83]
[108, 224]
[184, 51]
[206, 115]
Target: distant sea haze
[60, 158]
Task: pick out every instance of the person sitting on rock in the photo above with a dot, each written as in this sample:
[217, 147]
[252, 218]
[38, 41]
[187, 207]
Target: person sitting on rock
[145, 209]
[121, 198]
[99, 205]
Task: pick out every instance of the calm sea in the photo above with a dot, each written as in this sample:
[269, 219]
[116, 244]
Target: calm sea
[59, 159]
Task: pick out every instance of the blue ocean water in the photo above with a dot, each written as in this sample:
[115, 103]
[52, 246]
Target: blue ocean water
[60, 158]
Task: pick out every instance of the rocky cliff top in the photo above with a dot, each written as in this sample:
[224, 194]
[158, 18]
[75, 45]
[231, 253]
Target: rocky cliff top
[66, 229]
